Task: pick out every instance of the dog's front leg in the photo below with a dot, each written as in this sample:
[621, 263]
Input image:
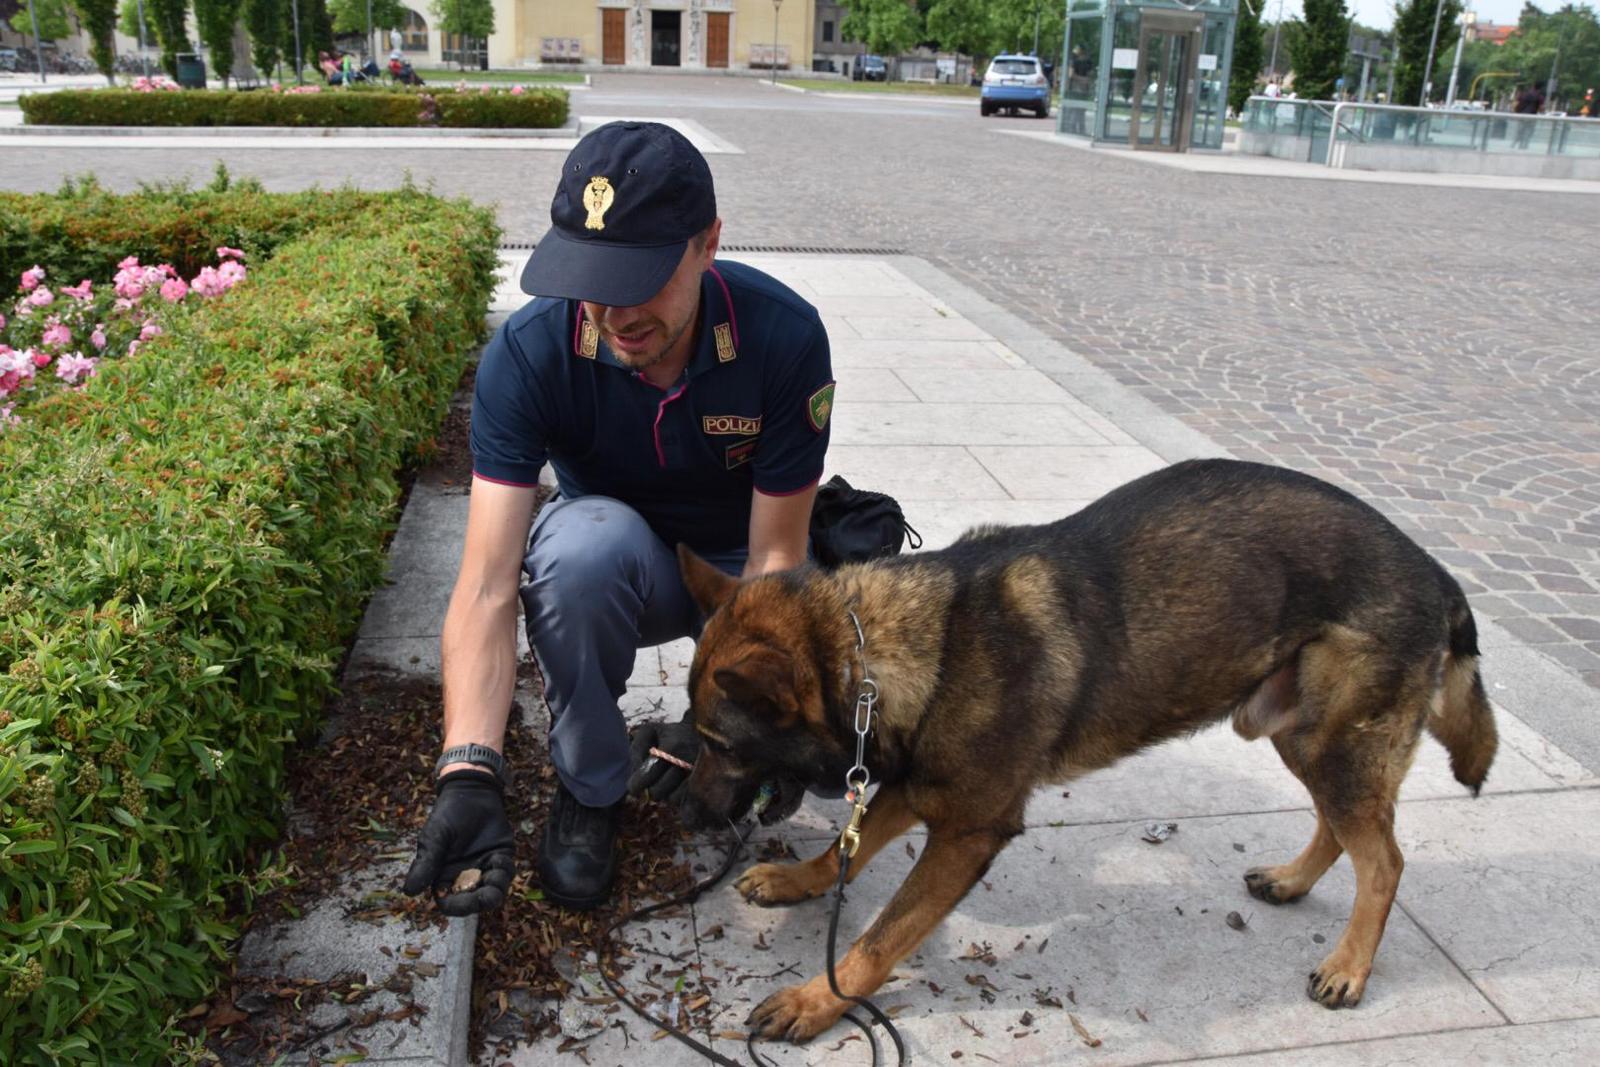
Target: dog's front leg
[950, 865]
[768, 884]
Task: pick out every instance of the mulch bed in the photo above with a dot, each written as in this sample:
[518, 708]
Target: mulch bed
[359, 799]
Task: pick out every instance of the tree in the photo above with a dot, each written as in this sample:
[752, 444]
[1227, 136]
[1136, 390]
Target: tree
[100, 19]
[886, 27]
[1573, 32]
[1318, 55]
[271, 35]
[216, 19]
[960, 26]
[53, 22]
[1413, 30]
[167, 19]
[350, 16]
[1249, 54]
[468, 18]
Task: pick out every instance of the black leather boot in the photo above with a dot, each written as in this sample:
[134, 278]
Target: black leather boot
[578, 856]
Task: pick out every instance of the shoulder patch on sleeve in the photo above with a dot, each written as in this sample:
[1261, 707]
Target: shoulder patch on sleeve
[819, 406]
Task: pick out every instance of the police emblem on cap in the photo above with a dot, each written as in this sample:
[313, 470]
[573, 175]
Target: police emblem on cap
[597, 197]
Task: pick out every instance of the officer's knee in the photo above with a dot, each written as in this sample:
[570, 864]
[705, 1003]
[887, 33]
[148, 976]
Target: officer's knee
[589, 546]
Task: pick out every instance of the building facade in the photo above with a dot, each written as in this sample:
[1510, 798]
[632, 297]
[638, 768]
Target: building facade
[593, 34]
[634, 34]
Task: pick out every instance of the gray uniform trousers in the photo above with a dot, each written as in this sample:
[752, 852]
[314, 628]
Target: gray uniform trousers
[598, 586]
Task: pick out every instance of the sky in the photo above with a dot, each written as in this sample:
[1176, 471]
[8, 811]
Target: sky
[1380, 13]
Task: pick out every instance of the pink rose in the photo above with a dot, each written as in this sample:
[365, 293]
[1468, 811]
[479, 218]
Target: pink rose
[224, 252]
[149, 330]
[56, 335]
[98, 337]
[81, 291]
[32, 278]
[2, 325]
[40, 359]
[73, 367]
[41, 297]
[8, 419]
[231, 273]
[129, 263]
[516, 90]
[174, 290]
[208, 282]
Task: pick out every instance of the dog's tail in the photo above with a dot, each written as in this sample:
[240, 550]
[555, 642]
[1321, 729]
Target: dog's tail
[1462, 720]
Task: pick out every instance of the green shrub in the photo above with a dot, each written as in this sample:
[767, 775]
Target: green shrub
[185, 549]
[357, 106]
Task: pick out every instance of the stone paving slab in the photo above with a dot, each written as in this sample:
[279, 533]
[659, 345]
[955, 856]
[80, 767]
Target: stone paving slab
[1126, 927]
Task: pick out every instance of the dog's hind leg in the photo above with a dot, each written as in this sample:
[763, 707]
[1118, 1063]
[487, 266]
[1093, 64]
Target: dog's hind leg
[1359, 723]
[768, 884]
[1291, 881]
[1366, 830]
[950, 865]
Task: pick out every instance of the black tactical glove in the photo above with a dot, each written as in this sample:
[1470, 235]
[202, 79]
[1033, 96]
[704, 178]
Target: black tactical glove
[466, 830]
[656, 778]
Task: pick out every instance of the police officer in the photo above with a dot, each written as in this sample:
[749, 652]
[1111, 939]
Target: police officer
[679, 400]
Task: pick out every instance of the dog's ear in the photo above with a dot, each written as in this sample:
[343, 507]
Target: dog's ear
[709, 586]
[763, 677]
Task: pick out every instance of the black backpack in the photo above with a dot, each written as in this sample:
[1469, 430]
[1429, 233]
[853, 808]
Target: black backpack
[852, 525]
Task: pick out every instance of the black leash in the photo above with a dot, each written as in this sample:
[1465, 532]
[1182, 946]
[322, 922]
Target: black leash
[693, 894]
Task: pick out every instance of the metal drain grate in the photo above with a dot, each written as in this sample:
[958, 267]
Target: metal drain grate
[814, 250]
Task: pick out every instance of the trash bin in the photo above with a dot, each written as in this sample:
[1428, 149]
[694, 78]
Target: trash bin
[191, 70]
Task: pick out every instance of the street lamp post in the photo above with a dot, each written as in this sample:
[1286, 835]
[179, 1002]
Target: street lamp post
[294, 13]
[775, 5]
[38, 47]
[1427, 71]
[144, 35]
[1455, 68]
[371, 51]
[1277, 31]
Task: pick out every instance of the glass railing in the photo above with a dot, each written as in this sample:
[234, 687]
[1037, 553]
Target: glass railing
[1288, 117]
[1467, 130]
[1317, 130]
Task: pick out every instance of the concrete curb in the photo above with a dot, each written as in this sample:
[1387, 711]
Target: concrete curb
[567, 129]
[457, 993]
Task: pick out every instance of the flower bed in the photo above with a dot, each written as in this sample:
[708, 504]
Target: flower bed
[459, 107]
[68, 333]
[186, 546]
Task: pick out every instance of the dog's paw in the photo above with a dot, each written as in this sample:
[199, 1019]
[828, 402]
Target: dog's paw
[1335, 984]
[772, 884]
[797, 1013]
[1267, 884]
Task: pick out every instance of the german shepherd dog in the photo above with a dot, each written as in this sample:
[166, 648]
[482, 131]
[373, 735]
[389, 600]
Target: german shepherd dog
[1030, 655]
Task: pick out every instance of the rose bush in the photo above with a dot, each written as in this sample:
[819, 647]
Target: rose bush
[186, 547]
[66, 335]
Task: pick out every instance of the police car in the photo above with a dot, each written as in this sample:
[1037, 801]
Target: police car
[1015, 82]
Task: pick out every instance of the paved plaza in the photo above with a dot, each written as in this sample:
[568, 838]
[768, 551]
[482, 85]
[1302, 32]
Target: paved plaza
[1058, 321]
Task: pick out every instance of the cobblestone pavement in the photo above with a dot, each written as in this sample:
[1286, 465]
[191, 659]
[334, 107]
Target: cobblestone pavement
[1432, 349]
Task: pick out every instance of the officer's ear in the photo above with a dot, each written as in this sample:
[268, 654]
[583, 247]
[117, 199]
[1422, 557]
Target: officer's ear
[709, 240]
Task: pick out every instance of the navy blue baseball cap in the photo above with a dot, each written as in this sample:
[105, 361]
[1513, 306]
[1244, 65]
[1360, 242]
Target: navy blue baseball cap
[631, 196]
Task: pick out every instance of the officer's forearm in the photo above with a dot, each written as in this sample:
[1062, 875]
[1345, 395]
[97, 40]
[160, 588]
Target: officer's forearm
[479, 650]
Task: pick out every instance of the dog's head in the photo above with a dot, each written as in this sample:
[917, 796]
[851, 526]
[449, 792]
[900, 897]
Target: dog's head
[756, 698]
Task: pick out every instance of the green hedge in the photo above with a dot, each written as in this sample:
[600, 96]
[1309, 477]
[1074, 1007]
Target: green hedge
[458, 109]
[185, 549]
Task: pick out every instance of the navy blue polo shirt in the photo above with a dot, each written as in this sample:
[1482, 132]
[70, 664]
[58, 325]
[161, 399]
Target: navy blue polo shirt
[750, 412]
